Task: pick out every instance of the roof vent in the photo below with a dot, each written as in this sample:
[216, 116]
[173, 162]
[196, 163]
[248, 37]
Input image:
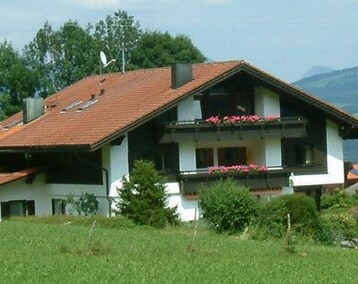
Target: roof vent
[182, 73]
[32, 108]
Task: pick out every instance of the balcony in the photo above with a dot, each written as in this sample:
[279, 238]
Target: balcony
[202, 130]
[272, 178]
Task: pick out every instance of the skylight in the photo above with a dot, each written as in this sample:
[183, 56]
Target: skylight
[12, 124]
[72, 105]
[87, 104]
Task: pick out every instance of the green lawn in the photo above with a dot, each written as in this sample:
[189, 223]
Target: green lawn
[56, 253]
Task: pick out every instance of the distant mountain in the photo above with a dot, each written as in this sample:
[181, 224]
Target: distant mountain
[317, 70]
[340, 88]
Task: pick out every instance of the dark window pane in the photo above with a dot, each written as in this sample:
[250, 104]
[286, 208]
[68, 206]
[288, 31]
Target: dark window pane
[30, 207]
[204, 158]
[58, 207]
[231, 156]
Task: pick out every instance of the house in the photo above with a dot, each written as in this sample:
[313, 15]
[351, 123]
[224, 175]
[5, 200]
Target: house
[198, 123]
[352, 175]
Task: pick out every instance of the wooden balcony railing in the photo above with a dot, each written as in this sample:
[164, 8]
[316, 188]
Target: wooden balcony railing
[201, 130]
[273, 178]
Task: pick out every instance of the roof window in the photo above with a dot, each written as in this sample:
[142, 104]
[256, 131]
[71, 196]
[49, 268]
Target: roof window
[87, 104]
[12, 124]
[71, 106]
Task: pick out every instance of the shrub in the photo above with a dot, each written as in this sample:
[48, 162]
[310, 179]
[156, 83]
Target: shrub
[227, 205]
[272, 218]
[86, 205]
[342, 225]
[339, 199]
[143, 197]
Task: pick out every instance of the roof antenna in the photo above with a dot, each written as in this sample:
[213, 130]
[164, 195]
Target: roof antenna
[103, 58]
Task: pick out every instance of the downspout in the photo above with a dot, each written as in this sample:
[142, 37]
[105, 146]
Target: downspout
[90, 163]
[106, 172]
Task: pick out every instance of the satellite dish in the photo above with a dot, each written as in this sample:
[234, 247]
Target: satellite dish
[103, 57]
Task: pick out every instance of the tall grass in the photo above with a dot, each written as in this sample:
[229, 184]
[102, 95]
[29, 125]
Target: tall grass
[34, 252]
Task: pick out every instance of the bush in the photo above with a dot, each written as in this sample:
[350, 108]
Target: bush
[86, 204]
[339, 199]
[143, 197]
[272, 218]
[342, 225]
[227, 205]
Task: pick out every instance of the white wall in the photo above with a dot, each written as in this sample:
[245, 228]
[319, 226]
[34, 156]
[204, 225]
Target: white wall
[185, 207]
[273, 153]
[266, 102]
[187, 160]
[19, 190]
[118, 163]
[335, 161]
[186, 109]
[43, 193]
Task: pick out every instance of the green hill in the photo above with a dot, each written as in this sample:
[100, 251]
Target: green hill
[340, 88]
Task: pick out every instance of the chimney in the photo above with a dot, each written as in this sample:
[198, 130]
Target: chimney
[32, 108]
[182, 73]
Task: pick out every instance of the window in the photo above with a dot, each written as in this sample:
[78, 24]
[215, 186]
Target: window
[17, 208]
[231, 156]
[204, 158]
[58, 207]
[166, 158]
[304, 154]
[225, 156]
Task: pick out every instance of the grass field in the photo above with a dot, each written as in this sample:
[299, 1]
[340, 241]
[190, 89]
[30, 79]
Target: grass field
[58, 253]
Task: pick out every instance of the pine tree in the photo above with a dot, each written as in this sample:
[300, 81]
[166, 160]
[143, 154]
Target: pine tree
[143, 197]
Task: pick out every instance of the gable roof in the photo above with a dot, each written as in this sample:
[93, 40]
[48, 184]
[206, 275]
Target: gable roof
[129, 99]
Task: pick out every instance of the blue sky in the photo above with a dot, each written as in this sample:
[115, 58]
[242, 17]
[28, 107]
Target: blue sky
[282, 37]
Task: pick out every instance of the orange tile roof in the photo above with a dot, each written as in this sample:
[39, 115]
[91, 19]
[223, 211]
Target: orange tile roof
[351, 175]
[9, 177]
[129, 99]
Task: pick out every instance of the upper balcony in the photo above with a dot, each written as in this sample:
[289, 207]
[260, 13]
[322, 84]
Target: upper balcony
[233, 128]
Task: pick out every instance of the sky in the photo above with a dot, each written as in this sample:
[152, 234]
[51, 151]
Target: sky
[282, 37]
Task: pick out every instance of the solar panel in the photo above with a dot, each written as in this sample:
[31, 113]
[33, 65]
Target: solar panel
[354, 171]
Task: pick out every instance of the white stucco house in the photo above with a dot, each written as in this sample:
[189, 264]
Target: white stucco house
[198, 123]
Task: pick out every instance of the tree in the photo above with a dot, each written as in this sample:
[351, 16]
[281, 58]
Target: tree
[143, 197]
[55, 59]
[157, 49]
[17, 80]
[62, 57]
[70, 53]
[117, 36]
